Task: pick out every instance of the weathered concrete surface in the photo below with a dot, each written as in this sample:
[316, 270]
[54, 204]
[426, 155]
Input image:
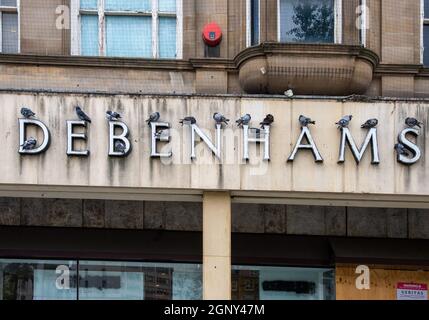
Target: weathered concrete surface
[10, 211]
[124, 214]
[418, 224]
[138, 170]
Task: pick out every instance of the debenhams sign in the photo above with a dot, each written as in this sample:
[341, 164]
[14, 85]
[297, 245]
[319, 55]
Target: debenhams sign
[120, 145]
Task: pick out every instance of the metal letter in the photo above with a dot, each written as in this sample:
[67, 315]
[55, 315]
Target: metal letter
[305, 132]
[415, 150]
[214, 148]
[123, 137]
[265, 140]
[23, 137]
[371, 137]
[71, 136]
[156, 136]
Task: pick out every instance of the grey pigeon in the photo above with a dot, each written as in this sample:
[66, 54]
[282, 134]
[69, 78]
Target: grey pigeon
[160, 132]
[344, 121]
[244, 120]
[112, 116]
[81, 115]
[371, 123]
[269, 119]
[27, 113]
[220, 118]
[400, 149]
[304, 121]
[154, 117]
[30, 144]
[120, 146]
[188, 120]
[413, 122]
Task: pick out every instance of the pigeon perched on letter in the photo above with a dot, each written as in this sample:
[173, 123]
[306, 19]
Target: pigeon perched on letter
[154, 117]
[344, 121]
[220, 118]
[269, 119]
[188, 120]
[112, 116]
[371, 123]
[81, 115]
[413, 122]
[29, 144]
[400, 149]
[120, 146]
[27, 113]
[244, 120]
[304, 121]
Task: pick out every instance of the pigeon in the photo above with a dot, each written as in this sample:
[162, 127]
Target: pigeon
[220, 118]
[154, 117]
[188, 120]
[289, 93]
[304, 121]
[244, 120]
[344, 121]
[112, 116]
[269, 119]
[120, 146]
[413, 122]
[160, 132]
[29, 144]
[371, 123]
[27, 113]
[400, 149]
[81, 115]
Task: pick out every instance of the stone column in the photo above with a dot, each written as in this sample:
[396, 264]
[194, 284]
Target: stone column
[216, 246]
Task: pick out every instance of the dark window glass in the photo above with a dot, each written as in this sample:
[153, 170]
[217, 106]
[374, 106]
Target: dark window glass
[426, 8]
[255, 22]
[9, 32]
[426, 45]
[278, 283]
[307, 21]
[8, 3]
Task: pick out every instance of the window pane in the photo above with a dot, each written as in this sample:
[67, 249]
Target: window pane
[9, 33]
[37, 280]
[307, 21]
[139, 281]
[126, 5]
[89, 35]
[426, 45]
[167, 5]
[88, 4]
[167, 37]
[426, 8]
[129, 36]
[255, 22]
[275, 283]
[8, 3]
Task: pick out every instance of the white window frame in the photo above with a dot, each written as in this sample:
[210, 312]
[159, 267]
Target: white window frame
[16, 10]
[364, 22]
[249, 22]
[338, 16]
[76, 13]
[423, 22]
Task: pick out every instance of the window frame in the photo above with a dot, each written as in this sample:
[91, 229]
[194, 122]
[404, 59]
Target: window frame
[154, 13]
[9, 9]
[424, 22]
[249, 22]
[338, 23]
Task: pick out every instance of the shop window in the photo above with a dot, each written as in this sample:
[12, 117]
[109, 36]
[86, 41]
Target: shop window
[253, 22]
[9, 26]
[309, 21]
[98, 280]
[278, 283]
[425, 47]
[132, 28]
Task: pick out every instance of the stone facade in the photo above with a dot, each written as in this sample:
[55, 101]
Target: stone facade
[246, 218]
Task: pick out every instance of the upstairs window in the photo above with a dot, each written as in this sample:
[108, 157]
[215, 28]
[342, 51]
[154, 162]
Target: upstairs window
[127, 28]
[309, 21]
[425, 33]
[253, 22]
[9, 26]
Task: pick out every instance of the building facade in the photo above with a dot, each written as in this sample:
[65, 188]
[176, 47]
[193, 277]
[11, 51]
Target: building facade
[187, 207]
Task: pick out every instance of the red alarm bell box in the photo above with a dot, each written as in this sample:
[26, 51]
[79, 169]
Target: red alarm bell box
[212, 34]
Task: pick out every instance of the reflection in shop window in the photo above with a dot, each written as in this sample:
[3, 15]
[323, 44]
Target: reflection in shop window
[276, 283]
[99, 280]
[307, 21]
